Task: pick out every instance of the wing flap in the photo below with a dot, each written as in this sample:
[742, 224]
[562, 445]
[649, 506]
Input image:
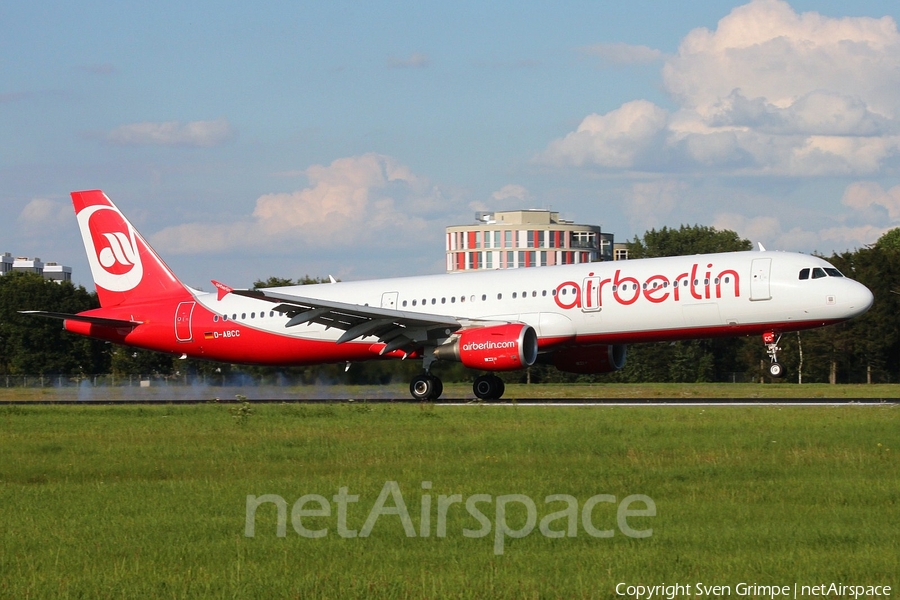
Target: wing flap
[399, 330]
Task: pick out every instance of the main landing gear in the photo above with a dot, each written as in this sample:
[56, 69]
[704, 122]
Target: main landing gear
[771, 339]
[488, 387]
[427, 387]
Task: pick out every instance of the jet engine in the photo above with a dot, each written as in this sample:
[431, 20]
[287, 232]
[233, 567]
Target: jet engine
[496, 348]
[590, 359]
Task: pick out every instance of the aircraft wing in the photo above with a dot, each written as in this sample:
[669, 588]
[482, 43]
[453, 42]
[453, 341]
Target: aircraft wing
[398, 330]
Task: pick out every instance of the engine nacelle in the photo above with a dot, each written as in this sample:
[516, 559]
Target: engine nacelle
[497, 348]
[590, 359]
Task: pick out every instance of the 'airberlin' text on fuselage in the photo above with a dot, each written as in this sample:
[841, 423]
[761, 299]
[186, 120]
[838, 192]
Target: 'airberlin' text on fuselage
[626, 290]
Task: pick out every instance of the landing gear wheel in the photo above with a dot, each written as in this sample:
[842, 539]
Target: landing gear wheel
[426, 387]
[771, 339]
[488, 387]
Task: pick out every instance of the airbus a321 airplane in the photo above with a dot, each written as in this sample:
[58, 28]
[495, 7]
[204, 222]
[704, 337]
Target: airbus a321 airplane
[578, 318]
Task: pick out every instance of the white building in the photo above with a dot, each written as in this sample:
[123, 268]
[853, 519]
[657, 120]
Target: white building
[6, 263]
[524, 238]
[51, 270]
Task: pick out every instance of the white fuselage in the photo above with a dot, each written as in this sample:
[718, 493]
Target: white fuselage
[611, 302]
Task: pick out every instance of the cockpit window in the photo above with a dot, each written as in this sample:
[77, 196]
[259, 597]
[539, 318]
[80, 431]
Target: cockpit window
[819, 272]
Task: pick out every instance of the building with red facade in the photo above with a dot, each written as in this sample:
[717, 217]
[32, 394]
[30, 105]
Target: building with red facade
[524, 238]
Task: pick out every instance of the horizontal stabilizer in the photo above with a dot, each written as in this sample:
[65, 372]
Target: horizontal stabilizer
[83, 318]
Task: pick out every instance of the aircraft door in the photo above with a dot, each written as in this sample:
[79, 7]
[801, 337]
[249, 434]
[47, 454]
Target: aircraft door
[389, 300]
[759, 280]
[183, 321]
[590, 294]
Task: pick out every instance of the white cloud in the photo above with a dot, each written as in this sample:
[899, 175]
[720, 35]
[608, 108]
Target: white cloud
[649, 204]
[864, 196]
[368, 200]
[622, 54]
[509, 197]
[869, 211]
[769, 91]
[617, 139]
[416, 60]
[769, 51]
[202, 134]
[44, 214]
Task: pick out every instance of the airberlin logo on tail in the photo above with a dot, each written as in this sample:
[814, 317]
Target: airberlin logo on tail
[115, 260]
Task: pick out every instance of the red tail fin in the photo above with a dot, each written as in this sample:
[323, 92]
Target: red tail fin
[124, 266]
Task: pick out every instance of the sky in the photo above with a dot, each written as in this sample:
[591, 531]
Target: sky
[340, 138]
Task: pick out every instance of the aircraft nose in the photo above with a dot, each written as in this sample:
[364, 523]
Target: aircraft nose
[860, 298]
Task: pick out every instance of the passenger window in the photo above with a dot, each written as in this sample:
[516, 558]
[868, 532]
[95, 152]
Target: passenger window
[253, 315]
[804, 273]
[499, 296]
[224, 317]
[414, 302]
[215, 318]
[443, 301]
[434, 301]
[514, 295]
[483, 297]
[452, 299]
[544, 293]
[534, 294]
[818, 273]
[234, 316]
[271, 313]
[243, 315]
[462, 298]
[404, 304]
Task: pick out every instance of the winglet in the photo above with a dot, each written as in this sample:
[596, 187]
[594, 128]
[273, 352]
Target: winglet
[761, 247]
[332, 279]
[223, 290]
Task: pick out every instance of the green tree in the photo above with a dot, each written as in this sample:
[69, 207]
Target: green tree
[283, 282]
[687, 239]
[890, 241]
[31, 345]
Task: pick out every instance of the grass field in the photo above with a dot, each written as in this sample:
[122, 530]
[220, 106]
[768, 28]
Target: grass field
[151, 501]
[456, 391]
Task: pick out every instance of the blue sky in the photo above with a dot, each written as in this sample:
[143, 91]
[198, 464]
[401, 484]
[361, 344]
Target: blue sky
[341, 138]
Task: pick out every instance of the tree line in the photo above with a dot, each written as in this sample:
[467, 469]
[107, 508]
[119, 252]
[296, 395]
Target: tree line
[865, 349]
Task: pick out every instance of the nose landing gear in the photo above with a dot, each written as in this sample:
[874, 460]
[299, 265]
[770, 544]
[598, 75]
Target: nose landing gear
[771, 339]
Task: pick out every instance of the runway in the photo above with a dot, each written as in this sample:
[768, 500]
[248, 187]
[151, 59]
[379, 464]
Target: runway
[463, 402]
